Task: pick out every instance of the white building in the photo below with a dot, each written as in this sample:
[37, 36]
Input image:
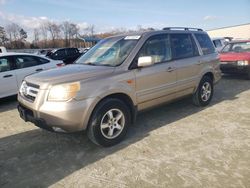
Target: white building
[237, 32]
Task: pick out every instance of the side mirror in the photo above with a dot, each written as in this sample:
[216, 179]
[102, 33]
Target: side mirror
[145, 61]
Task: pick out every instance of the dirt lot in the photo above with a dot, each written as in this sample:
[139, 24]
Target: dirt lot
[178, 145]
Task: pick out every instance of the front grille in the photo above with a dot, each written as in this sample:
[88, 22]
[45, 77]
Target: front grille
[29, 91]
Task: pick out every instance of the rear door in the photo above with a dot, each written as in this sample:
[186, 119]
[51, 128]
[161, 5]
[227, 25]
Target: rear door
[186, 56]
[209, 58]
[8, 82]
[27, 65]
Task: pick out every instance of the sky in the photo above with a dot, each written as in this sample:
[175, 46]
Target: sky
[111, 14]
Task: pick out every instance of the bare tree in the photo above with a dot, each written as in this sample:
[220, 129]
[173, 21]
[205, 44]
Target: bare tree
[73, 32]
[65, 26]
[13, 32]
[3, 36]
[90, 30]
[54, 31]
[36, 35]
[44, 33]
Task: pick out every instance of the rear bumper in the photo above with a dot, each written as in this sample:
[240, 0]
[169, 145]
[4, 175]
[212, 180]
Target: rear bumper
[232, 68]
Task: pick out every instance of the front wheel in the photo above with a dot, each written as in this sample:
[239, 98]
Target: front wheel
[204, 92]
[109, 122]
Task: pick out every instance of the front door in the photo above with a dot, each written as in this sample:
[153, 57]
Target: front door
[159, 80]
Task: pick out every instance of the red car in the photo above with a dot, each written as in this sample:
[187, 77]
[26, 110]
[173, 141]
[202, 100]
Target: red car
[235, 58]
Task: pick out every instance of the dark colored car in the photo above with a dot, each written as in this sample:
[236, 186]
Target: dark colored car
[235, 58]
[67, 55]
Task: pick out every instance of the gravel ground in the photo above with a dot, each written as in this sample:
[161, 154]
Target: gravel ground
[176, 145]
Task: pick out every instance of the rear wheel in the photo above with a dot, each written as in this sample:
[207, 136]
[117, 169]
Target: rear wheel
[109, 122]
[204, 92]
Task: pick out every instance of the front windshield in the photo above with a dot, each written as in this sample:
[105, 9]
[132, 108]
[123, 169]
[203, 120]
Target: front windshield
[237, 47]
[108, 52]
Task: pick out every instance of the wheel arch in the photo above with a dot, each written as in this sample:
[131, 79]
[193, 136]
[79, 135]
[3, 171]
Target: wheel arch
[120, 96]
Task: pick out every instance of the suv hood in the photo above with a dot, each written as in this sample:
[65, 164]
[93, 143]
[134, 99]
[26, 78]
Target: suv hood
[233, 56]
[67, 74]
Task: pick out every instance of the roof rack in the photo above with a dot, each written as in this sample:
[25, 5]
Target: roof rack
[182, 28]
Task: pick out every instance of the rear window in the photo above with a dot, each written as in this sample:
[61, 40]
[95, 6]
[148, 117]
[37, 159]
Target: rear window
[206, 44]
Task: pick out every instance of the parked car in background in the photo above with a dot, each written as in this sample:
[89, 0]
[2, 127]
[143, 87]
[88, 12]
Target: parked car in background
[43, 52]
[103, 90]
[15, 66]
[83, 50]
[235, 58]
[67, 55]
[3, 49]
[220, 42]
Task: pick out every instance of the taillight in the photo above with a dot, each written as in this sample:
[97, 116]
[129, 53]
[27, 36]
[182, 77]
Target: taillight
[60, 64]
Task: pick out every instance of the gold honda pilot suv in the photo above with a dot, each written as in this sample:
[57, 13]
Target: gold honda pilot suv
[121, 75]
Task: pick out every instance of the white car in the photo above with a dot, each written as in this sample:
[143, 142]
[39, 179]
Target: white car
[15, 66]
[220, 42]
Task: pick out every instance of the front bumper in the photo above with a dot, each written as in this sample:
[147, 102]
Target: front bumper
[27, 115]
[233, 68]
[68, 116]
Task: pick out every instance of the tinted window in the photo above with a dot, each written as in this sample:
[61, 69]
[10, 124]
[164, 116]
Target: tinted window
[217, 43]
[206, 44]
[71, 51]
[59, 54]
[26, 61]
[42, 60]
[183, 46]
[157, 47]
[4, 64]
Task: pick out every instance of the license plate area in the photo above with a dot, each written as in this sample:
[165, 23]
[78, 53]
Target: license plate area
[22, 112]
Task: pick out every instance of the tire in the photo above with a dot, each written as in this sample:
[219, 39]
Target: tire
[204, 92]
[109, 122]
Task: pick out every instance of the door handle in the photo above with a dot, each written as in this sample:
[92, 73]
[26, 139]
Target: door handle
[170, 69]
[37, 70]
[7, 76]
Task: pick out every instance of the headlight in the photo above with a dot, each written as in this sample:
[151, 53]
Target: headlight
[63, 92]
[242, 63]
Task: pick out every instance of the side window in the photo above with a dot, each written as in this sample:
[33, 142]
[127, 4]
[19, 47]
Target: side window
[217, 43]
[158, 47]
[59, 53]
[206, 44]
[42, 60]
[26, 61]
[4, 64]
[183, 46]
[71, 51]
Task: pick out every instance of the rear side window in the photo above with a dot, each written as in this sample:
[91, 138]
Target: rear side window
[217, 43]
[183, 46]
[206, 44]
[59, 53]
[4, 64]
[42, 60]
[158, 47]
[27, 61]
